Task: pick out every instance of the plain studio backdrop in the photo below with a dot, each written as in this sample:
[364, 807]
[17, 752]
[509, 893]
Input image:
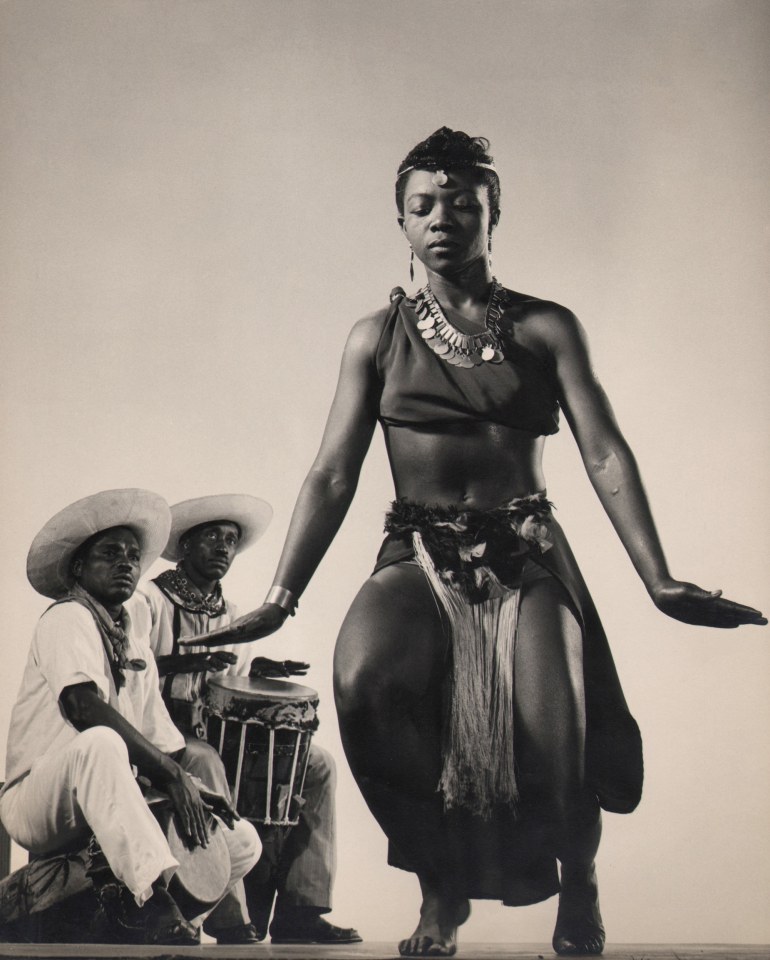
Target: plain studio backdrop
[197, 203]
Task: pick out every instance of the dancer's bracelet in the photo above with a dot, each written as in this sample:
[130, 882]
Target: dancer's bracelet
[283, 598]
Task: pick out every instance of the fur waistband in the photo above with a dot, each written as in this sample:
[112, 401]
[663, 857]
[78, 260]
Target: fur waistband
[471, 548]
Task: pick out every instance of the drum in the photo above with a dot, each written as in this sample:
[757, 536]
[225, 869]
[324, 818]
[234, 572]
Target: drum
[52, 898]
[200, 881]
[262, 730]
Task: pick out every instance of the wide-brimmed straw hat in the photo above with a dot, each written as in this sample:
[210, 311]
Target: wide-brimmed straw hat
[50, 556]
[250, 513]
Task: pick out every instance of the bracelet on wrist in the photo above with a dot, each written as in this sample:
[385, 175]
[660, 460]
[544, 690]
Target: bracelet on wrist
[283, 598]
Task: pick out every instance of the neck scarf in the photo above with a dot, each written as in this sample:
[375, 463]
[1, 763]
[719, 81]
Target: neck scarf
[180, 591]
[113, 634]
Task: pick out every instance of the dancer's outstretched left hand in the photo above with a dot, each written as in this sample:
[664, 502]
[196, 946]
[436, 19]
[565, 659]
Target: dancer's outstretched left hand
[691, 604]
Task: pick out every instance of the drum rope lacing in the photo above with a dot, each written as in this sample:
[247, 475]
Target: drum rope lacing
[263, 729]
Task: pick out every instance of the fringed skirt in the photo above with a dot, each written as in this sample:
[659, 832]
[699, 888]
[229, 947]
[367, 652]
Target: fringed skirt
[475, 562]
[478, 563]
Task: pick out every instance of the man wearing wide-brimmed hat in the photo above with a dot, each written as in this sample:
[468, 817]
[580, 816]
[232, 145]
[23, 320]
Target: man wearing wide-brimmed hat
[89, 708]
[206, 535]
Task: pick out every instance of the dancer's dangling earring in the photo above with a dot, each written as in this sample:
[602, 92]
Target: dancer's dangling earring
[489, 250]
[411, 263]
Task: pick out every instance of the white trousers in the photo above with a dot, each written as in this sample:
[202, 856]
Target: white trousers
[89, 788]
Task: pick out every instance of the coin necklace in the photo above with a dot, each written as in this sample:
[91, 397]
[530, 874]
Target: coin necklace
[446, 341]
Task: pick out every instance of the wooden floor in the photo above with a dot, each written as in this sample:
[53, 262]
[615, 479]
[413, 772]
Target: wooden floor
[383, 951]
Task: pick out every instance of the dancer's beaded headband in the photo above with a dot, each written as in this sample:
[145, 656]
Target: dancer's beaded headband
[440, 177]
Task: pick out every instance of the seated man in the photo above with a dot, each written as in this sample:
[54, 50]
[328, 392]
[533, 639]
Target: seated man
[206, 534]
[89, 708]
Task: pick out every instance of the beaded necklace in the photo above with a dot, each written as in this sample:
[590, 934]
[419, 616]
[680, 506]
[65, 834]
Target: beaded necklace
[452, 345]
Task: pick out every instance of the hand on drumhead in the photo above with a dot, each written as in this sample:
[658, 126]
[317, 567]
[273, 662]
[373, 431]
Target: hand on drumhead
[220, 806]
[189, 807]
[218, 660]
[265, 667]
[691, 604]
[251, 626]
[211, 662]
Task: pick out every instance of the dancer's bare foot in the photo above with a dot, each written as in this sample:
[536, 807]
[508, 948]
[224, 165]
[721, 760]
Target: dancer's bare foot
[436, 933]
[579, 929]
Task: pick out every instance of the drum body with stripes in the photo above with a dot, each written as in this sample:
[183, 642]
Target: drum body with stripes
[262, 730]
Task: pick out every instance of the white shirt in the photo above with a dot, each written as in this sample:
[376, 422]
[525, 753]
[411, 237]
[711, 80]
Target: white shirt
[188, 686]
[67, 649]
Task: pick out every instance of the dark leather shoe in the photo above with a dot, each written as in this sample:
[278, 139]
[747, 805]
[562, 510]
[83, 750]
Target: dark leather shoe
[120, 920]
[243, 933]
[311, 930]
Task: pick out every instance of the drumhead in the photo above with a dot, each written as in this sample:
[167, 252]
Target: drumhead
[262, 689]
[201, 879]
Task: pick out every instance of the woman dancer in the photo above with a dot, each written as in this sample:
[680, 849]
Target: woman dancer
[478, 702]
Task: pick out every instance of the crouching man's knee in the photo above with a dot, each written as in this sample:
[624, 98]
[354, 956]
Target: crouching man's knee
[100, 738]
[98, 746]
[244, 846]
[321, 770]
[201, 760]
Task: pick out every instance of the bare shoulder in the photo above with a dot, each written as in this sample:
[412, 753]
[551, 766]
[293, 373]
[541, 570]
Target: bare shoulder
[365, 334]
[543, 324]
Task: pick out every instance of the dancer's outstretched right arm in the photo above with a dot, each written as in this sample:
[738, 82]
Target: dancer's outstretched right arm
[328, 489]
